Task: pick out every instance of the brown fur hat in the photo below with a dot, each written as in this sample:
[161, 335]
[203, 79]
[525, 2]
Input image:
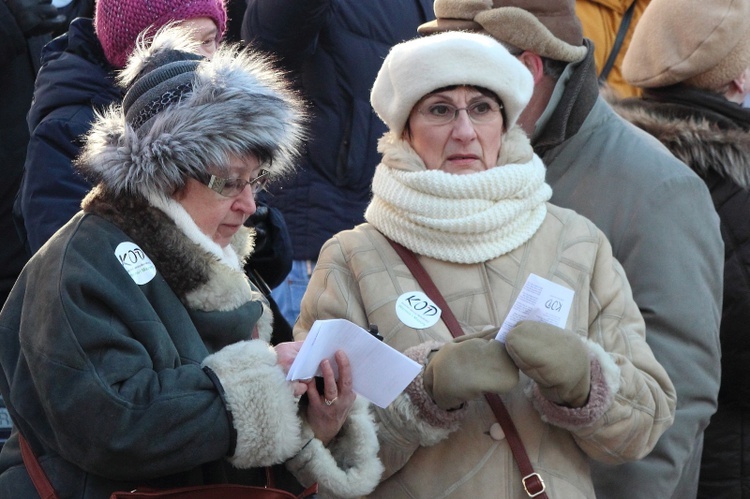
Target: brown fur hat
[703, 44]
[548, 28]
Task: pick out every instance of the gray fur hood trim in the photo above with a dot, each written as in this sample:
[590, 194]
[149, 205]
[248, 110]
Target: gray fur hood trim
[239, 103]
[696, 141]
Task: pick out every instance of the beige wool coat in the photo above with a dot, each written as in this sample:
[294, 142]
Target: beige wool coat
[432, 453]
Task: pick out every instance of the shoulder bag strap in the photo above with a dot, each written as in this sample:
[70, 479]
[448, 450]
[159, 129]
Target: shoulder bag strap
[621, 32]
[532, 481]
[38, 477]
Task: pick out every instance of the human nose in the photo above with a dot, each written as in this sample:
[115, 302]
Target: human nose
[463, 127]
[245, 201]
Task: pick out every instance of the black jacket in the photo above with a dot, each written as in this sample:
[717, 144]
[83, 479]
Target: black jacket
[19, 62]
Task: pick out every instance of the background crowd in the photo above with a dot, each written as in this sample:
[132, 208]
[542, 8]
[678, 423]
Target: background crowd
[635, 110]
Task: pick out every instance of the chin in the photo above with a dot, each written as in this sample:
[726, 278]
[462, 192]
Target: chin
[464, 170]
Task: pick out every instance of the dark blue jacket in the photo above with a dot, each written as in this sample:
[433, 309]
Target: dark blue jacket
[334, 49]
[75, 79]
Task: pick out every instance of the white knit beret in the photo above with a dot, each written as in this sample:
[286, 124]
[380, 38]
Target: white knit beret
[417, 67]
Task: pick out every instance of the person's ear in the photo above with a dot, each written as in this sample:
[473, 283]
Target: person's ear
[741, 82]
[739, 87]
[533, 63]
[406, 134]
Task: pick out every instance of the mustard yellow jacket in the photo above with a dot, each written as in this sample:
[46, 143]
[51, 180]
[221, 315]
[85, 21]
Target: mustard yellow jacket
[601, 20]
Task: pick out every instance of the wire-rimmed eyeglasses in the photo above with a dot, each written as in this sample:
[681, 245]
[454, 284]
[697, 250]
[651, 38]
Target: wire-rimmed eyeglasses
[231, 187]
[480, 112]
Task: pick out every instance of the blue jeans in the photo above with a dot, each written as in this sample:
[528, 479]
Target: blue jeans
[288, 294]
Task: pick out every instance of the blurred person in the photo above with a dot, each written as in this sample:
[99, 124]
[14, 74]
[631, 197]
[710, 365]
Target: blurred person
[654, 210]
[695, 75]
[25, 26]
[72, 9]
[149, 321]
[334, 49]
[461, 188]
[609, 24]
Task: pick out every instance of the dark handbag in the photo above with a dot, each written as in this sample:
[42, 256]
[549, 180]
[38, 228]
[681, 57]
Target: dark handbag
[217, 491]
[532, 481]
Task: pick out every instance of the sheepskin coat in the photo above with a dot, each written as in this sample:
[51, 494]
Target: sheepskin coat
[128, 360]
[432, 453]
[711, 135]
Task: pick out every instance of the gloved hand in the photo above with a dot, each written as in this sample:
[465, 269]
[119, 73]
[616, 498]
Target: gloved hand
[463, 369]
[36, 17]
[555, 358]
[272, 257]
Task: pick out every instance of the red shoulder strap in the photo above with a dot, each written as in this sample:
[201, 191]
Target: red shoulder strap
[38, 477]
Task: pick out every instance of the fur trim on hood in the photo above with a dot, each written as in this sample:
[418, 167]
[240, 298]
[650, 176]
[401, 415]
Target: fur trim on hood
[693, 136]
[233, 105]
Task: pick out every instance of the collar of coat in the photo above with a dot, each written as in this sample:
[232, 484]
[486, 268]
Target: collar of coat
[577, 100]
[196, 276]
[702, 129]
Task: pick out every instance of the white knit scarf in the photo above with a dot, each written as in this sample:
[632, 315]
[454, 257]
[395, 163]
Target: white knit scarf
[468, 218]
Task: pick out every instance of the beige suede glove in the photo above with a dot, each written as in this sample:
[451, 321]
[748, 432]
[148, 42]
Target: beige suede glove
[463, 369]
[555, 358]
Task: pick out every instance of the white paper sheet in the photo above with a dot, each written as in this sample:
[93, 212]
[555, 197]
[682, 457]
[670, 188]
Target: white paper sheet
[379, 372]
[539, 300]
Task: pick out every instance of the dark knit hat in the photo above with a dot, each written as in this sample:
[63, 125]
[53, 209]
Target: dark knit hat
[164, 80]
[119, 22]
[548, 28]
[703, 44]
[183, 114]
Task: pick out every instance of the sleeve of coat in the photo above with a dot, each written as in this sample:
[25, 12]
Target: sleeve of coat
[673, 257]
[644, 396]
[51, 191]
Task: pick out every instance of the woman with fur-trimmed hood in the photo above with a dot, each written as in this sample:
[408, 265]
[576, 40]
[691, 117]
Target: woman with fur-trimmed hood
[460, 187]
[134, 350]
[695, 74]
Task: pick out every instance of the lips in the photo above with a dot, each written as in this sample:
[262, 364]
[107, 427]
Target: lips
[463, 157]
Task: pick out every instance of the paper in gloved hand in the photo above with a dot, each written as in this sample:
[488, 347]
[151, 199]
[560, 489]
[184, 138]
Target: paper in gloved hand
[540, 300]
[379, 372]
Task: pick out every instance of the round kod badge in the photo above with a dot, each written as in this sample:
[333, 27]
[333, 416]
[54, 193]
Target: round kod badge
[416, 310]
[136, 262]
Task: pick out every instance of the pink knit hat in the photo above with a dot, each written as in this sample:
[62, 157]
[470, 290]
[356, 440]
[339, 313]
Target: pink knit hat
[118, 22]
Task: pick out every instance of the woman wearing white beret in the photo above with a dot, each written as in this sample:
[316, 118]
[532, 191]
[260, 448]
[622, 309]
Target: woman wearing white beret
[460, 191]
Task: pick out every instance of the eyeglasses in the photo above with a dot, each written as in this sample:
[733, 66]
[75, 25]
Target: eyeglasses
[481, 112]
[231, 187]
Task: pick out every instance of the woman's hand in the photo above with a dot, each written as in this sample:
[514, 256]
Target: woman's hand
[327, 411]
[285, 354]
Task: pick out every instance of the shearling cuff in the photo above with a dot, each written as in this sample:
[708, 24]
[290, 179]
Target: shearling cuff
[432, 423]
[265, 323]
[260, 402]
[605, 375]
[349, 466]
